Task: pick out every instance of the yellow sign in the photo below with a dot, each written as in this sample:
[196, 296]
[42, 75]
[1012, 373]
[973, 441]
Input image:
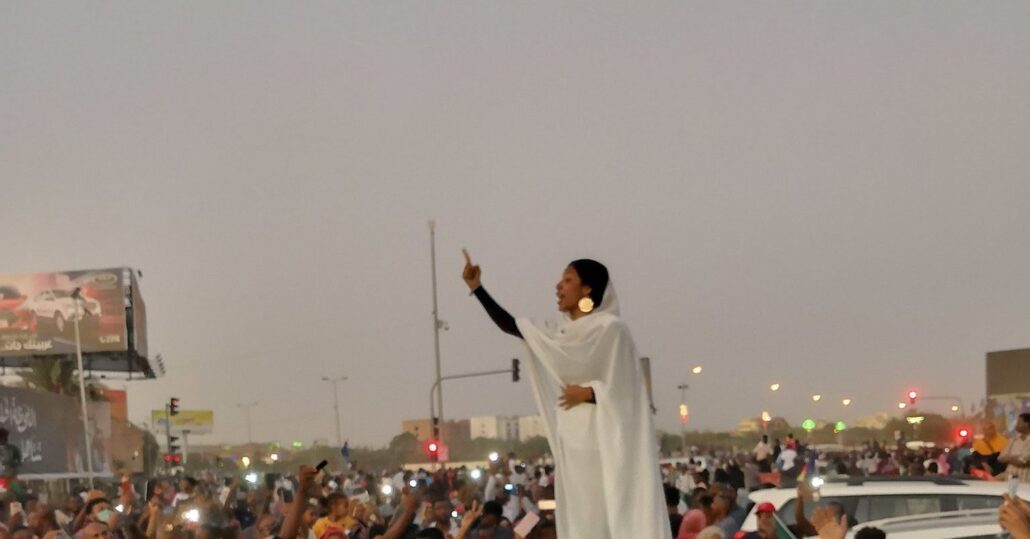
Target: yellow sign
[191, 421]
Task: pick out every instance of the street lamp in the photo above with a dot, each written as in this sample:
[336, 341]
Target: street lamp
[954, 408]
[336, 404]
[901, 406]
[774, 387]
[77, 296]
[817, 397]
[696, 370]
[846, 402]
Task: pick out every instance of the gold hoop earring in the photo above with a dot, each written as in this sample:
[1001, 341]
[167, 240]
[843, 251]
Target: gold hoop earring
[586, 305]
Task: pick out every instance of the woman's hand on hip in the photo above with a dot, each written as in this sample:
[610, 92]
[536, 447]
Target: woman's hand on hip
[573, 395]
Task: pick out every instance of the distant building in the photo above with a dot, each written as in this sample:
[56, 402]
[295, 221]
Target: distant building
[494, 427]
[749, 425]
[450, 430]
[874, 422]
[531, 427]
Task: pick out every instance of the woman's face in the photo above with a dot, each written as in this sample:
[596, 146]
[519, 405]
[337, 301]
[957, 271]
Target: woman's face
[570, 290]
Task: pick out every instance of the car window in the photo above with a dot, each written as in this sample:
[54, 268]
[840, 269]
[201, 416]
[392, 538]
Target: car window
[9, 292]
[786, 512]
[969, 503]
[61, 293]
[881, 507]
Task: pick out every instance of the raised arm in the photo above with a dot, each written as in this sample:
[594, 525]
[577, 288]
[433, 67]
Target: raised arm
[472, 277]
[294, 515]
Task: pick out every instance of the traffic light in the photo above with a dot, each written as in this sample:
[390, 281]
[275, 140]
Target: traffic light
[173, 406]
[432, 448]
[172, 448]
[964, 435]
[684, 414]
[912, 396]
[515, 370]
[173, 459]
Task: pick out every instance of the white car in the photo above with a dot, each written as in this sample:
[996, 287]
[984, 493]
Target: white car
[59, 307]
[868, 499]
[980, 524]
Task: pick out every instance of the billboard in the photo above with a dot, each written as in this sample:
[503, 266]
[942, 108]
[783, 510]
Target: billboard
[192, 421]
[47, 428]
[1008, 373]
[37, 310]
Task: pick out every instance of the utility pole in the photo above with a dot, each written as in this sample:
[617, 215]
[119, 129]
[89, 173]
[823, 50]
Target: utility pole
[77, 296]
[247, 407]
[336, 405]
[437, 325]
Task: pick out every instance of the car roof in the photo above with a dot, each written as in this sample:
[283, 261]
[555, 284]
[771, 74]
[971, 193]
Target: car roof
[951, 521]
[883, 486]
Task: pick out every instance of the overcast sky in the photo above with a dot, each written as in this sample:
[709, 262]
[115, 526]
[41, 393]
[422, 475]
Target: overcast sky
[829, 195]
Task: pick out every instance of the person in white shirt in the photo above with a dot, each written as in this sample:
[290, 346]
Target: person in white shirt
[786, 465]
[762, 452]
[1017, 454]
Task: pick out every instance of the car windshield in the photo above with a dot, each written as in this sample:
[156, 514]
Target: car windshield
[61, 294]
[9, 292]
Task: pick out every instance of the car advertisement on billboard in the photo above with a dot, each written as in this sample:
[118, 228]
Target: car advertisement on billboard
[38, 310]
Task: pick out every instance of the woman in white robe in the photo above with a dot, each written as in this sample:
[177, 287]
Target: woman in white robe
[588, 384]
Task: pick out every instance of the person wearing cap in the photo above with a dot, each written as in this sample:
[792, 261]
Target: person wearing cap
[766, 522]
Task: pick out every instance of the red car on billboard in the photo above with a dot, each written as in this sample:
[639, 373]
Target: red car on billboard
[14, 313]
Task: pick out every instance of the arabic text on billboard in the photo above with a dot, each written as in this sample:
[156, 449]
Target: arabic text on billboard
[47, 428]
[37, 310]
[192, 421]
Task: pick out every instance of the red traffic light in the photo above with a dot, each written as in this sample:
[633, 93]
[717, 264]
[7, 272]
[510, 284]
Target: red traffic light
[963, 433]
[432, 449]
[912, 396]
[168, 458]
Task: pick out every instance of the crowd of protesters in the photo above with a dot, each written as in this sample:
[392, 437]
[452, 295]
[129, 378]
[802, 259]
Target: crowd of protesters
[455, 503]
[707, 496]
[714, 485]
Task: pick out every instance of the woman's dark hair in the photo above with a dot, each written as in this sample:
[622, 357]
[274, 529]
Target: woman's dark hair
[593, 274]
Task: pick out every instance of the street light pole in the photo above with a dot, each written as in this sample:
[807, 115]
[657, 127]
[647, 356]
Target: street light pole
[336, 404]
[683, 425]
[76, 295]
[247, 407]
[438, 419]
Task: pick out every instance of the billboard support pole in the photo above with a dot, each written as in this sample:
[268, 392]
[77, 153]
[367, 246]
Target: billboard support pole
[82, 387]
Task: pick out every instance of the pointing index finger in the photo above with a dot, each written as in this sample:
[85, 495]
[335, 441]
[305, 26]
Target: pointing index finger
[465, 252]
